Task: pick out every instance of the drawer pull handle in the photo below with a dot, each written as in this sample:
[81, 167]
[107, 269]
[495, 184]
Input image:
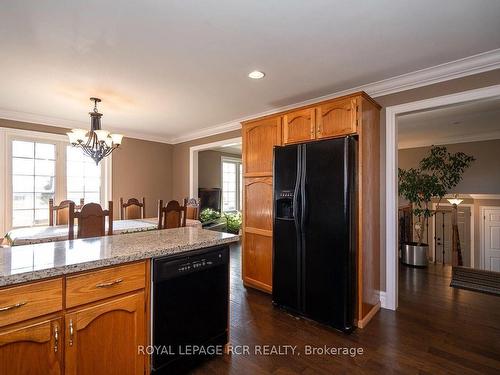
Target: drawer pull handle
[71, 332]
[14, 306]
[56, 339]
[111, 283]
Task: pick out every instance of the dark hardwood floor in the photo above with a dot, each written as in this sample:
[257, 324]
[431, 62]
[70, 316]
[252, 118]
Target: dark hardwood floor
[436, 330]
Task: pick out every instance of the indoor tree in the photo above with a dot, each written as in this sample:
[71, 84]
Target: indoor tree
[437, 174]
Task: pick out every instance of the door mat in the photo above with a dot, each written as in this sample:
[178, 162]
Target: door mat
[476, 280]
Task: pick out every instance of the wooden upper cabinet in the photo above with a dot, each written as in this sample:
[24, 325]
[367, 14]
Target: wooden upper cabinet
[337, 118]
[259, 138]
[299, 126]
[33, 348]
[105, 337]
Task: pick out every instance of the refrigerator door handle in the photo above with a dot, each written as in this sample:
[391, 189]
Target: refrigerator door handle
[303, 202]
[296, 189]
[303, 219]
[298, 225]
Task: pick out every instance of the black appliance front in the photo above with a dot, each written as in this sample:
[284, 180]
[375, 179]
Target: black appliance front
[286, 228]
[324, 234]
[190, 309]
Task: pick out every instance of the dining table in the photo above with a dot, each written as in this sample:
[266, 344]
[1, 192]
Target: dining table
[42, 234]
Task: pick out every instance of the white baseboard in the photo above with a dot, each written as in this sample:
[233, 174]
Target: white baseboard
[383, 300]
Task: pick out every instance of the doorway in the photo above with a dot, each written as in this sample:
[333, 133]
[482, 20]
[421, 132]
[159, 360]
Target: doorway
[390, 297]
[441, 249]
[490, 238]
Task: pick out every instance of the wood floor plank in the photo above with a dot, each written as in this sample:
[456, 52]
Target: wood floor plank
[436, 330]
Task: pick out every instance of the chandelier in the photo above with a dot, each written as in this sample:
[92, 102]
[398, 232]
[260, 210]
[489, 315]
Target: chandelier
[96, 143]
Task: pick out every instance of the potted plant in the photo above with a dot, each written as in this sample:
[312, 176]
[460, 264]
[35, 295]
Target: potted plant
[233, 222]
[438, 173]
[209, 216]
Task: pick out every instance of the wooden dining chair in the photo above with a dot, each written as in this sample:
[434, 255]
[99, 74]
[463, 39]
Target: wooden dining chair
[132, 209]
[173, 215]
[192, 208]
[91, 221]
[61, 211]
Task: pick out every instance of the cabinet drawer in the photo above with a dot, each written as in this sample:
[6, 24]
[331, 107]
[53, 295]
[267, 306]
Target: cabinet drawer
[30, 301]
[96, 285]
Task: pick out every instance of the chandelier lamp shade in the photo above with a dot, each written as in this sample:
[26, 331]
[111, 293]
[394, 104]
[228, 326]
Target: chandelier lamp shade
[96, 143]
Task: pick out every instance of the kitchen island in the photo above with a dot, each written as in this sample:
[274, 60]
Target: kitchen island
[84, 306]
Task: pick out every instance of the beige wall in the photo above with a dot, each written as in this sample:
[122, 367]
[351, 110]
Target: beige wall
[483, 177]
[33, 127]
[140, 168]
[210, 168]
[180, 162]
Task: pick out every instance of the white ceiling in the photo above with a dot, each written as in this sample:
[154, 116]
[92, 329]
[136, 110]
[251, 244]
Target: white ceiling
[468, 122]
[164, 68]
[233, 148]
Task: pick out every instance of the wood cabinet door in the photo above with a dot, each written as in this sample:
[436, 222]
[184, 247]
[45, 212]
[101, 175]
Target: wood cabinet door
[258, 203]
[299, 126]
[259, 138]
[34, 348]
[258, 235]
[337, 118]
[104, 338]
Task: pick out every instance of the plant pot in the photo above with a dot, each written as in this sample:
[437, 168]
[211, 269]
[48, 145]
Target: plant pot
[413, 254]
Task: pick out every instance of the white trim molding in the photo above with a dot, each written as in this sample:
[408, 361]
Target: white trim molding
[467, 66]
[383, 300]
[482, 255]
[391, 175]
[193, 161]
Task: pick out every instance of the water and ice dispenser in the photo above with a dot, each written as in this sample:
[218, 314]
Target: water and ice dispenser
[284, 205]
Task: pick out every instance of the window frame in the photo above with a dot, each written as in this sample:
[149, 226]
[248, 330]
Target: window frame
[7, 135]
[238, 162]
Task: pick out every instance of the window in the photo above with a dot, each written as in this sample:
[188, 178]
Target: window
[83, 177]
[231, 185]
[36, 167]
[33, 182]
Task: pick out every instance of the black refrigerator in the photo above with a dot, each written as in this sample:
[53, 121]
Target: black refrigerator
[314, 224]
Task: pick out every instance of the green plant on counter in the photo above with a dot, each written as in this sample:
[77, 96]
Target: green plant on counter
[233, 222]
[209, 214]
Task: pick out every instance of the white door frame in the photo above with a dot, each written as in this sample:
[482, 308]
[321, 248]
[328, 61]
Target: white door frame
[391, 194]
[193, 161]
[481, 234]
[471, 245]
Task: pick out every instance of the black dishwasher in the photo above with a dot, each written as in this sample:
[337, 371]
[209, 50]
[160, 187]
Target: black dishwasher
[189, 308]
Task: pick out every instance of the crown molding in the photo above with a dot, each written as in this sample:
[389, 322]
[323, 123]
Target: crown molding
[451, 140]
[475, 64]
[72, 124]
[207, 132]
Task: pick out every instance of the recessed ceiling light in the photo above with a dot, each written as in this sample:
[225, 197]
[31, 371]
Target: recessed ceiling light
[256, 74]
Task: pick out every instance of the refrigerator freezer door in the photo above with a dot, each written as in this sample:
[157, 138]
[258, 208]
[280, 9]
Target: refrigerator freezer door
[328, 272]
[286, 228]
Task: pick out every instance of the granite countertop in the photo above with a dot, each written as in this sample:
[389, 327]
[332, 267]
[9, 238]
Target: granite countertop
[38, 261]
